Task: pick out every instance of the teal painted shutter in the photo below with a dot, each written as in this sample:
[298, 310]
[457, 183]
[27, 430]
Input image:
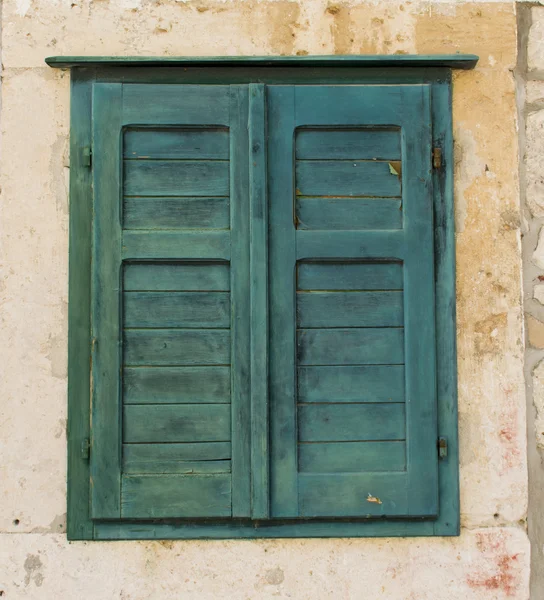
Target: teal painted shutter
[170, 302]
[352, 341]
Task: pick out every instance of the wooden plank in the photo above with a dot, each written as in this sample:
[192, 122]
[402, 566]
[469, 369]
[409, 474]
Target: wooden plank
[165, 347]
[282, 253]
[448, 522]
[349, 276]
[176, 385]
[379, 61]
[201, 457]
[353, 105]
[371, 346]
[176, 178]
[240, 303]
[162, 423]
[419, 292]
[210, 245]
[176, 143]
[182, 468]
[147, 456]
[176, 276]
[177, 309]
[176, 496]
[351, 457]
[346, 178]
[363, 143]
[376, 383]
[349, 309]
[348, 213]
[173, 104]
[258, 215]
[353, 494]
[106, 304]
[176, 213]
[351, 422]
[388, 244]
[78, 523]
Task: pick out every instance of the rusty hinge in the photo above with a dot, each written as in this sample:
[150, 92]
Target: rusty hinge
[87, 156]
[85, 449]
[437, 158]
[442, 447]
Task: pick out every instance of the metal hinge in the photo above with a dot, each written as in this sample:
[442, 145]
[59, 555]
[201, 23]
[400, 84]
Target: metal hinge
[442, 447]
[437, 158]
[85, 449]
[87, 156]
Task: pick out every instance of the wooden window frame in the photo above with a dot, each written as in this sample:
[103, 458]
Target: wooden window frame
[434, 71]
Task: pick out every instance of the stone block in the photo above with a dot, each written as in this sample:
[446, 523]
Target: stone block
[534, 92]
[534, 162]
[538, 401]
[481, 564]
[538, 292]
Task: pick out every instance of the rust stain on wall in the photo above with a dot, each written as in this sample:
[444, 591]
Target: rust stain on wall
[504, 573]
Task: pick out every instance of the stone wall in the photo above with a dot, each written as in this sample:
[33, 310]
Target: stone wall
[530, 73]
[490, 560]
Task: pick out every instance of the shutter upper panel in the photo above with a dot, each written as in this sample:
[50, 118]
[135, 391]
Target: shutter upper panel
[170, 302]
[352, 369]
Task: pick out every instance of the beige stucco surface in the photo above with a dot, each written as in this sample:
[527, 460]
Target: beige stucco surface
[490, 560]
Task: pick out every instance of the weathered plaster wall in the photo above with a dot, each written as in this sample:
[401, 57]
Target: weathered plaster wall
[530, 75]
[491, 558]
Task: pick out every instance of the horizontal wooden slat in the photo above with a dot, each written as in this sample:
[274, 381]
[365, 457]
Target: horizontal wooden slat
[209, 245]
[346, 178]
[176, 213]
[376, 383]
[176, 143]
[183, 468]
[352, 457]
[349, 309]
[176, 178]
[175, 496]
[176, 277]
[162, 423]
[349, 276]
[176, 385]
[348, 213]
[351, 144]
[176, 347]
[350, 346]
[183, 451]
[202, 457]
[350, 244]
[175, 104]
[177, 309]
[351, 422]
[354, 494]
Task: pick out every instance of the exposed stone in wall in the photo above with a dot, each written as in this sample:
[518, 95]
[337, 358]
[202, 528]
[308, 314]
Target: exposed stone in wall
[490, 559]
[531, 96]
[484, 564]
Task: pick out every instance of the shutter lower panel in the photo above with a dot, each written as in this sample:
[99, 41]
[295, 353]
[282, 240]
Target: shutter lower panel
[352, 368]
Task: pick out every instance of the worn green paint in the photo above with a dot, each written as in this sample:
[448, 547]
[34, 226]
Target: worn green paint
[106, 304]
[455, 61]
[258, 217]
[447, 523]
[240, 302]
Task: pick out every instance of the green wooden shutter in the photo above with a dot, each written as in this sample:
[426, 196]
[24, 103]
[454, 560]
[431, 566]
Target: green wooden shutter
[352, 366]
[170, 302]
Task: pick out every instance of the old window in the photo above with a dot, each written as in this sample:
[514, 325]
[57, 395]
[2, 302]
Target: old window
[266, 299]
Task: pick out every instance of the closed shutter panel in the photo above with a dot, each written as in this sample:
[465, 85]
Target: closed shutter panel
[352, 366]
[170, 302]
